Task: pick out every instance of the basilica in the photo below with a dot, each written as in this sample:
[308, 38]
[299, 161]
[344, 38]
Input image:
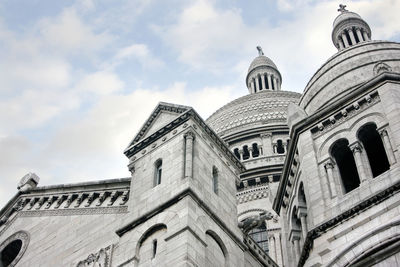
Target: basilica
[273, 178]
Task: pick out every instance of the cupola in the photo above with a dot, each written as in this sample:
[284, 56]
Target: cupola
[349, 29]
[263, 74]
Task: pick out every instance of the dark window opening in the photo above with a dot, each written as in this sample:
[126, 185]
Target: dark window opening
[259, 234]
[246, 154]
[266, 82]
[236, 152]
[373, 145]
[256, 151]
[215, 180]
[10, 252]
[280, 149]
[154, 248]
[356, 36]
[348, 38]
[259, 82]
[158, 172]
[346, 164]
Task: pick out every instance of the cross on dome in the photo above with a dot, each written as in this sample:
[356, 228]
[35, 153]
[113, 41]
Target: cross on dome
[342, 8]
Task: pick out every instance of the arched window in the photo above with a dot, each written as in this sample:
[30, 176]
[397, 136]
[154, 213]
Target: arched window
[280, 149]
[236, 152]
[255, 151]
[158, 172]
[373, 145]
[259, 234]
[259, 82]
[347, 167]
[266, 81]
[246, 154]
[272, 82]
[154, 248]
[10, 252]
[215, 179]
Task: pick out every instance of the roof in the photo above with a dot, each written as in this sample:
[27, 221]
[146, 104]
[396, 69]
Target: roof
[261, 61]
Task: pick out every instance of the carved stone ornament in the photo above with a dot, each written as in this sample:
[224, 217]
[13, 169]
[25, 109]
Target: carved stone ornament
[255, 221]
[24, 238]
[100, 259]
[381, 67]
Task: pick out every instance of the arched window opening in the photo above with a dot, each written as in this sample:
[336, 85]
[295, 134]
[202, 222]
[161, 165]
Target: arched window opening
[259, 234]
[246, 154]
[154, 248]
[10, 252]
[216, 253]
[266, 81]
[280, 149]
[346, 164]
[158, 172]
[256, 151]
[356, 36]
[373, 145]
[259, 82]
[302, 195]
[272, 82]
[236, 152]
[215, 179]
[348, 38]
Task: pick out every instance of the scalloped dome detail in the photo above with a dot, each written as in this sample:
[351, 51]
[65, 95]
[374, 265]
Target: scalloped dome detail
[253, 110]
[261, 61]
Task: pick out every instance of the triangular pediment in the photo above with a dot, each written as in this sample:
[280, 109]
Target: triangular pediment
[162, 115]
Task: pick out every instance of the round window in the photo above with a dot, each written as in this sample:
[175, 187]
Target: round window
[12, 249]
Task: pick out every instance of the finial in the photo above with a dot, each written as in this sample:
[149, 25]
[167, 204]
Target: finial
[342, 8]
[260, 52]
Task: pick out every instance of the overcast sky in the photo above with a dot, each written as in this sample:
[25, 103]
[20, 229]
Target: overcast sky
[78, 79]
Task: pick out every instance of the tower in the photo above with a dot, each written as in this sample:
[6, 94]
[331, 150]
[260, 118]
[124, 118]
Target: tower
[341, 177]
[255, 129]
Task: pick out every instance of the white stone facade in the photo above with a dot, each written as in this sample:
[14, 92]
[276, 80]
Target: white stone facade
[273, 178]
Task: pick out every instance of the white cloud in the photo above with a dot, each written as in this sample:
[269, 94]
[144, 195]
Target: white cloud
[100, 83]
[139, 52]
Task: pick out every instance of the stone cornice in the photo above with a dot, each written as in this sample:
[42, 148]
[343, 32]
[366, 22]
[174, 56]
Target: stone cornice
[320, 115]
[184, 117]
[346, 215]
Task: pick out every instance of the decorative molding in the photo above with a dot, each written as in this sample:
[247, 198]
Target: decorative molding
[345, 114]
[101, 258]
[20, 235]
[346, 215]
[69, 212]
[381, 67]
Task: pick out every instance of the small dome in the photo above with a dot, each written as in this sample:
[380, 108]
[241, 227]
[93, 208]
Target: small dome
[346, 16]
[261, 61]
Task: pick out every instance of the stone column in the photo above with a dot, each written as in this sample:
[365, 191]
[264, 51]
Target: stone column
[365, 34]
[253, 89]
[267, 143]
[341, 46]
[275, 84]
[278, 246]
[302, 213]
[250, 148]
[359, 35]
[189, 138]
[241, 154]
[331, 182]
[351, 34]
[269, 81]
[260, 149]
[257, 84]
[294, 237]
[345, 41]
[263, 82]
[364, 170]
[388, 146]
[272, 247]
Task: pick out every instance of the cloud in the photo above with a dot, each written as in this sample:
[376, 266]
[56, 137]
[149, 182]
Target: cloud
[139, 52]
[100, 83]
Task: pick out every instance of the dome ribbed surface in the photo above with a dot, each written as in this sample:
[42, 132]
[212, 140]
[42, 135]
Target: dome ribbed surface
[261, 61]
[261, 109]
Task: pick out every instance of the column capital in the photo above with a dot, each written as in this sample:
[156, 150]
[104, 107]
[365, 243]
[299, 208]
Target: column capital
[301, 211]
[383, 132]
[294, 235]
[131, 168]
[329, 164]
[356, 147]
[266, 135]
[189, 135]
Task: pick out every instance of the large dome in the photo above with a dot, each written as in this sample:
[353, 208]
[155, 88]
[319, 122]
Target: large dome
[348, 69]
[252, 111]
